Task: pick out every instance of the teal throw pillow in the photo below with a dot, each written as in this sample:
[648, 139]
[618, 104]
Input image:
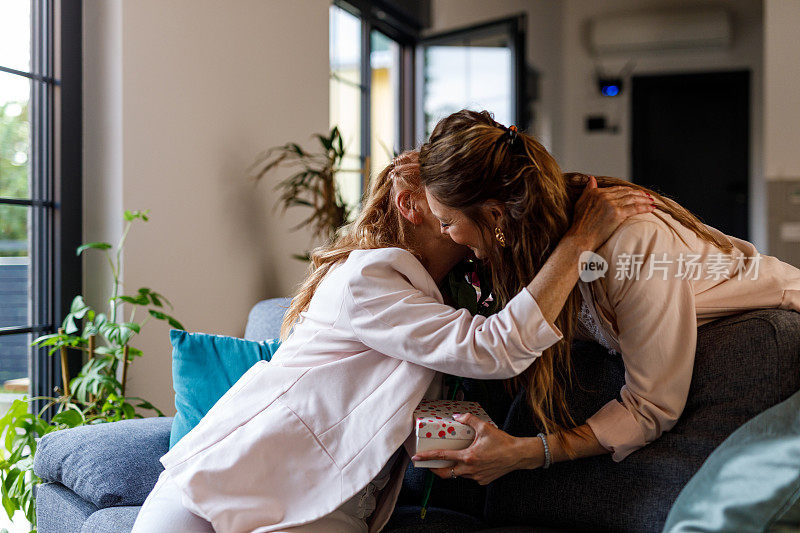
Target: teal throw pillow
[204, 367]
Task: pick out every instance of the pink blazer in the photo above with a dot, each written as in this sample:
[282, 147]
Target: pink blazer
[653, 322]
[295, 438]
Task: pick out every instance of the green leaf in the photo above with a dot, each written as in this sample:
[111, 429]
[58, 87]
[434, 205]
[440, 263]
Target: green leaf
[163, 316]
[70, 418]
[103, 350]
[42, 427]
[11, 476]
[147, 405]
[48, 340]
[131, 325]
[340, 153]
[69, 324]
[129, 411]
[133, 215]
[8, 506]
[111, 332]
[126, 331]
[135, 300]
[300, 201]
[78, 307]
[94, 245]
[157, 314]
[16, 454]
[296, 149]
[326, 143]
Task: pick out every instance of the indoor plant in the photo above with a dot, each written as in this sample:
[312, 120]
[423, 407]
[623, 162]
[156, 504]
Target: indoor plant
[313, 185]
[95, 395]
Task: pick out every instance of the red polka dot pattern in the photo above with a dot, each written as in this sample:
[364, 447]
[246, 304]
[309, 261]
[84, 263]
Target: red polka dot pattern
[435, 417]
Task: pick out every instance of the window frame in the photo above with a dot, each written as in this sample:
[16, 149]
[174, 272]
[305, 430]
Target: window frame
[374, 16]
[514, 27]
[56, 167]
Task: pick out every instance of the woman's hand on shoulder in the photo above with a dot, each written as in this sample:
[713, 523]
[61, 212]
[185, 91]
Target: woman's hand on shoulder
[600, 211]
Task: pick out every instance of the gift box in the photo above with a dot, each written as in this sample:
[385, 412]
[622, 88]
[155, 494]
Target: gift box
[436, 429]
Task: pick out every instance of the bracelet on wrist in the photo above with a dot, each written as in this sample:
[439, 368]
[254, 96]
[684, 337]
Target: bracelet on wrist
[547, 457]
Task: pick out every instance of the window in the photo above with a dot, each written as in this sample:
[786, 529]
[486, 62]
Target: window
[370, 72]
[375, 56]
[40, 193]
[474, 68]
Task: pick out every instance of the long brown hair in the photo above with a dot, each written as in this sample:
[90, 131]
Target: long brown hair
[470, 159]
[378, 225]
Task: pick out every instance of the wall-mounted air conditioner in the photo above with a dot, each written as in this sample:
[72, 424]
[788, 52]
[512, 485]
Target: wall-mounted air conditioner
[661, 30]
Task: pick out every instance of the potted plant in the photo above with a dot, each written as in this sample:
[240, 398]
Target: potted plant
[313, 185]
[96, 395]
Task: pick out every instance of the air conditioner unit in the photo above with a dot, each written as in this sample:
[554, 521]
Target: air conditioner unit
[661, 30]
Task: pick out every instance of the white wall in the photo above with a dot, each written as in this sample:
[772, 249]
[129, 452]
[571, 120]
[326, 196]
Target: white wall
[102, 142]
[557, 48]
[180, 97]
[543, 36]
[609, 154]
[781, 89]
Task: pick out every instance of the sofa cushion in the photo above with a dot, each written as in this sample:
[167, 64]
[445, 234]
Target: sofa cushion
[111, 520]
[752, 480]
[106, 464]
[59, 510]
[204, 367]
[744, 364]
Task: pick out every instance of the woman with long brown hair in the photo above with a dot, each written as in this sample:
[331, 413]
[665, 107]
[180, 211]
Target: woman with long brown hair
[499, 191]
[307, 441]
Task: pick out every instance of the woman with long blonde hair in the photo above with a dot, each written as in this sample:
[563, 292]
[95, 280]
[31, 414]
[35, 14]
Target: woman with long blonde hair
[307, 441]
[499, 191]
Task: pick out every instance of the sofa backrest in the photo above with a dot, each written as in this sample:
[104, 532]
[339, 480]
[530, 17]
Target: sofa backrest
[744, 364]
[264, 321]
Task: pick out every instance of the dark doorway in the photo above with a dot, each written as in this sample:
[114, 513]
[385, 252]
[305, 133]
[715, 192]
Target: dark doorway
[691, 141]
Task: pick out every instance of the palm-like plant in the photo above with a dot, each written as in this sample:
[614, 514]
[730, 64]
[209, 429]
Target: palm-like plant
[313, 185]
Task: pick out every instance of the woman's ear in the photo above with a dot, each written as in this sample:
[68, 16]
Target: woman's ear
[493, 211]
[404, 201]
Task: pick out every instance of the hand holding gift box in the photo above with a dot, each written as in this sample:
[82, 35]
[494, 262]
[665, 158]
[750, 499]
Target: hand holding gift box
[436, 429]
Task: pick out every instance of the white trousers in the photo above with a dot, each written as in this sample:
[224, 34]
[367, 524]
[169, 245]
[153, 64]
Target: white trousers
[163, 512]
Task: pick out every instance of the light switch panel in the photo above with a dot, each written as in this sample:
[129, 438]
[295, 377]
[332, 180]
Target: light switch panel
[790, 232]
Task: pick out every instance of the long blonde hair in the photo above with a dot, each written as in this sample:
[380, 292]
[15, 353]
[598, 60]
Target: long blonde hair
[471, 159]
[378, 225]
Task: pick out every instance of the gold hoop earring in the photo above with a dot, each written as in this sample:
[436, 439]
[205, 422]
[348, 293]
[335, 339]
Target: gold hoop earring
[501, 238]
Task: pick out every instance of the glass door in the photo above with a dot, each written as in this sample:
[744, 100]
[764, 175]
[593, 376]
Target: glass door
[480, 67]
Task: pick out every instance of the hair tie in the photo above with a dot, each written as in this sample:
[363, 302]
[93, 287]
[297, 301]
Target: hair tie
[511, 135]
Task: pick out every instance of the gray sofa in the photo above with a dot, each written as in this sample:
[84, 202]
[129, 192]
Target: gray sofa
[96, 478]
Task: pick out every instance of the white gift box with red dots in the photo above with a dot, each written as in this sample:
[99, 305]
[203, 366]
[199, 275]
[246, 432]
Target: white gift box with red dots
[436, 429]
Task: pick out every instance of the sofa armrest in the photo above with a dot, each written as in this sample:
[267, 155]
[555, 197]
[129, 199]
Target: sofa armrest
[106, 464]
